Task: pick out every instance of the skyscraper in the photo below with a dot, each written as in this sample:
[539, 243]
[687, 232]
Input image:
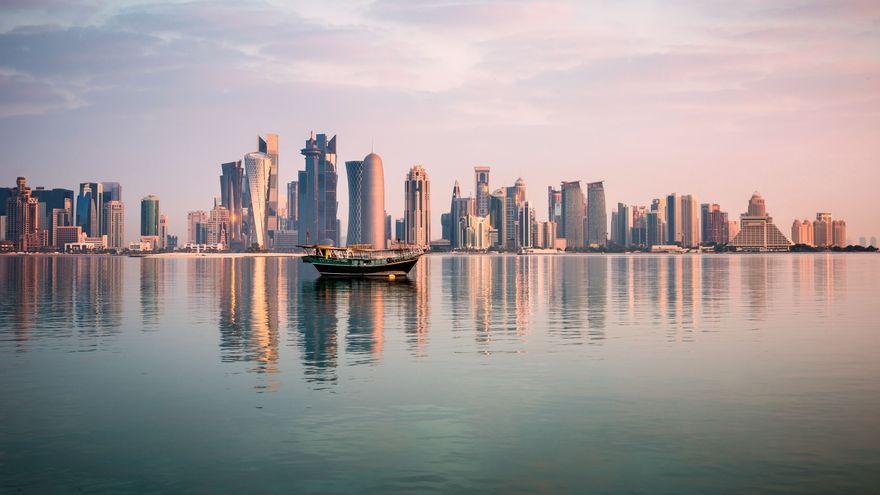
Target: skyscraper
[269, 146]
[317, 192]
[658, 206]
[674, 227]
[514, 199]
[597, 219]
[823, 230]
[114, 224]
[654, 228]
[525, 218]
[713, 224]
[195, 222]
[218, 226]
[621, 233]
[417, 207]
[232, 197]
[690, 221]
[257, 169]
[838, 235]
[460, 209]
[54, 205]
[554, 205]
[573, 214]
[22, 221]
[89, 208]
[163, 231]
[802, 232]
[292, 205]
[366, 197]
[149, 216]
[481, 190]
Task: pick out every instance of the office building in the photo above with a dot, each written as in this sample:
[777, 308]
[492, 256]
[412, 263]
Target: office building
[417, 207]
[114, 224]
[292, 205]
[269, 147]
[257, 168]
[460, 208]
[89, 208]
[317, 192]
[67, 234]
[525, 223]
[232, 194]
[573, 214]
[473, 232]
[195, 221]
[545, 235]
[713, 223]
[497, 201]
[554, 205]
[757, 231]
[149, 216]
[163, 231]
[514, 198]
[597, 219]
[654, 229]
[690, 221]
[481, 190]
[218, 226]
[621, 225]
[674, 230]
[400, 231]
[366, 199]
[838, 233]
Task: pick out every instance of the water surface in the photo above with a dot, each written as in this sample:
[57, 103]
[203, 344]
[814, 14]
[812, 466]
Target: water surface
[602, 374]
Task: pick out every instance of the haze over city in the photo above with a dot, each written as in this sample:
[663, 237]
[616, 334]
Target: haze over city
[711, 99]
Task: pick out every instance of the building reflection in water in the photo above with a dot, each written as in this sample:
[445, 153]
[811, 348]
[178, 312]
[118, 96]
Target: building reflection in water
[152, 290]
[416, 312]
[249, 294]
[49, 296]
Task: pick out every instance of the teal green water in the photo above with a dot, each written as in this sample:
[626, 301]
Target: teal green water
[493, 374]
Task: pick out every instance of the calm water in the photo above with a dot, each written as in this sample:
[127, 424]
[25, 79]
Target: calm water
[602, 374]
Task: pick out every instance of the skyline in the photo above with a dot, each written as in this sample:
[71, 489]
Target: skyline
[721, 101]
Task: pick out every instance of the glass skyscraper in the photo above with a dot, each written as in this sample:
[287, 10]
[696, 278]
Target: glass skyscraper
[317, 192]
[150, 216]
[597, 219]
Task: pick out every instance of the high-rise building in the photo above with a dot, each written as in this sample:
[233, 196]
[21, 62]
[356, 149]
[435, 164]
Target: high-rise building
[713, 223]
[417, 207]
[654, 228]
[195, 221]
[257, 168]
[823, 230]
[473, 232]
[497, 201]
[317, 192]
[554, 205]
[50, 200]
[89, 208]
[514, 199]
[389, 223]
[621, 221]
[67, 234]
[597, 219]
[112, 191]
[460, 208]
[481, 190]
[269, 146]
[232, 197]
[400, 230]
[838, 234]
[690, 221]
[525, 220]
[366, 199]
[292, 205]
[149, 216]
[573, 214]
[545, 235]
[218, 226]
[674, 226]
[658, 206]
[802, 232]
[114, 224]
[22, 220]
[163, 231]
[757, 231]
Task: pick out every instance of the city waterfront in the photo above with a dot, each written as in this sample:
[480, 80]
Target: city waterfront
[578, 373]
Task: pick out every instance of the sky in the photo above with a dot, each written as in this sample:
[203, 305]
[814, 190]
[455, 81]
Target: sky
[716, 99]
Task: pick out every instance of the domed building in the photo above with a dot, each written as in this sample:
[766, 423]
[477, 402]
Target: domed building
[366, 202]
[757, 231]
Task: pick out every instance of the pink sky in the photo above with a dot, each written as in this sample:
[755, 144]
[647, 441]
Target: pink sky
[717, 99]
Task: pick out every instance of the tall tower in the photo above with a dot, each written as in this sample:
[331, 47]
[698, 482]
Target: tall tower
[231, 197]
[292, 205]
[90, 208]
[366, 190]
[514, 200]
[150, 216]
[417, 207]
[554, 205]
[573, 214]
[690, 220]
[481, 190]
[257, 169]
[114, 221]
[22, 222]
[597, 218]
[317, 192]
[674, 232]
[269, 146]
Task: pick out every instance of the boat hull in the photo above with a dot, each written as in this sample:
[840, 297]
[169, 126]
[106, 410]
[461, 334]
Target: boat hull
[331, 269]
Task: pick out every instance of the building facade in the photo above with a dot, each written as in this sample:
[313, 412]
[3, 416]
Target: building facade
[417, 207]
[317, 192]
[573, 214]
[89, 208]
[269, 146]
[757, 231]
[114, 223]
[149, 216]
[22, 219]
[366, 198]
[802, 232]
[597, 219]
[481, 190]
[257, 168]
[232, 197]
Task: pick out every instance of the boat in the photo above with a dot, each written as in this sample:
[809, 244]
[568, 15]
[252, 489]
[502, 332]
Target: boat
[362, 260]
